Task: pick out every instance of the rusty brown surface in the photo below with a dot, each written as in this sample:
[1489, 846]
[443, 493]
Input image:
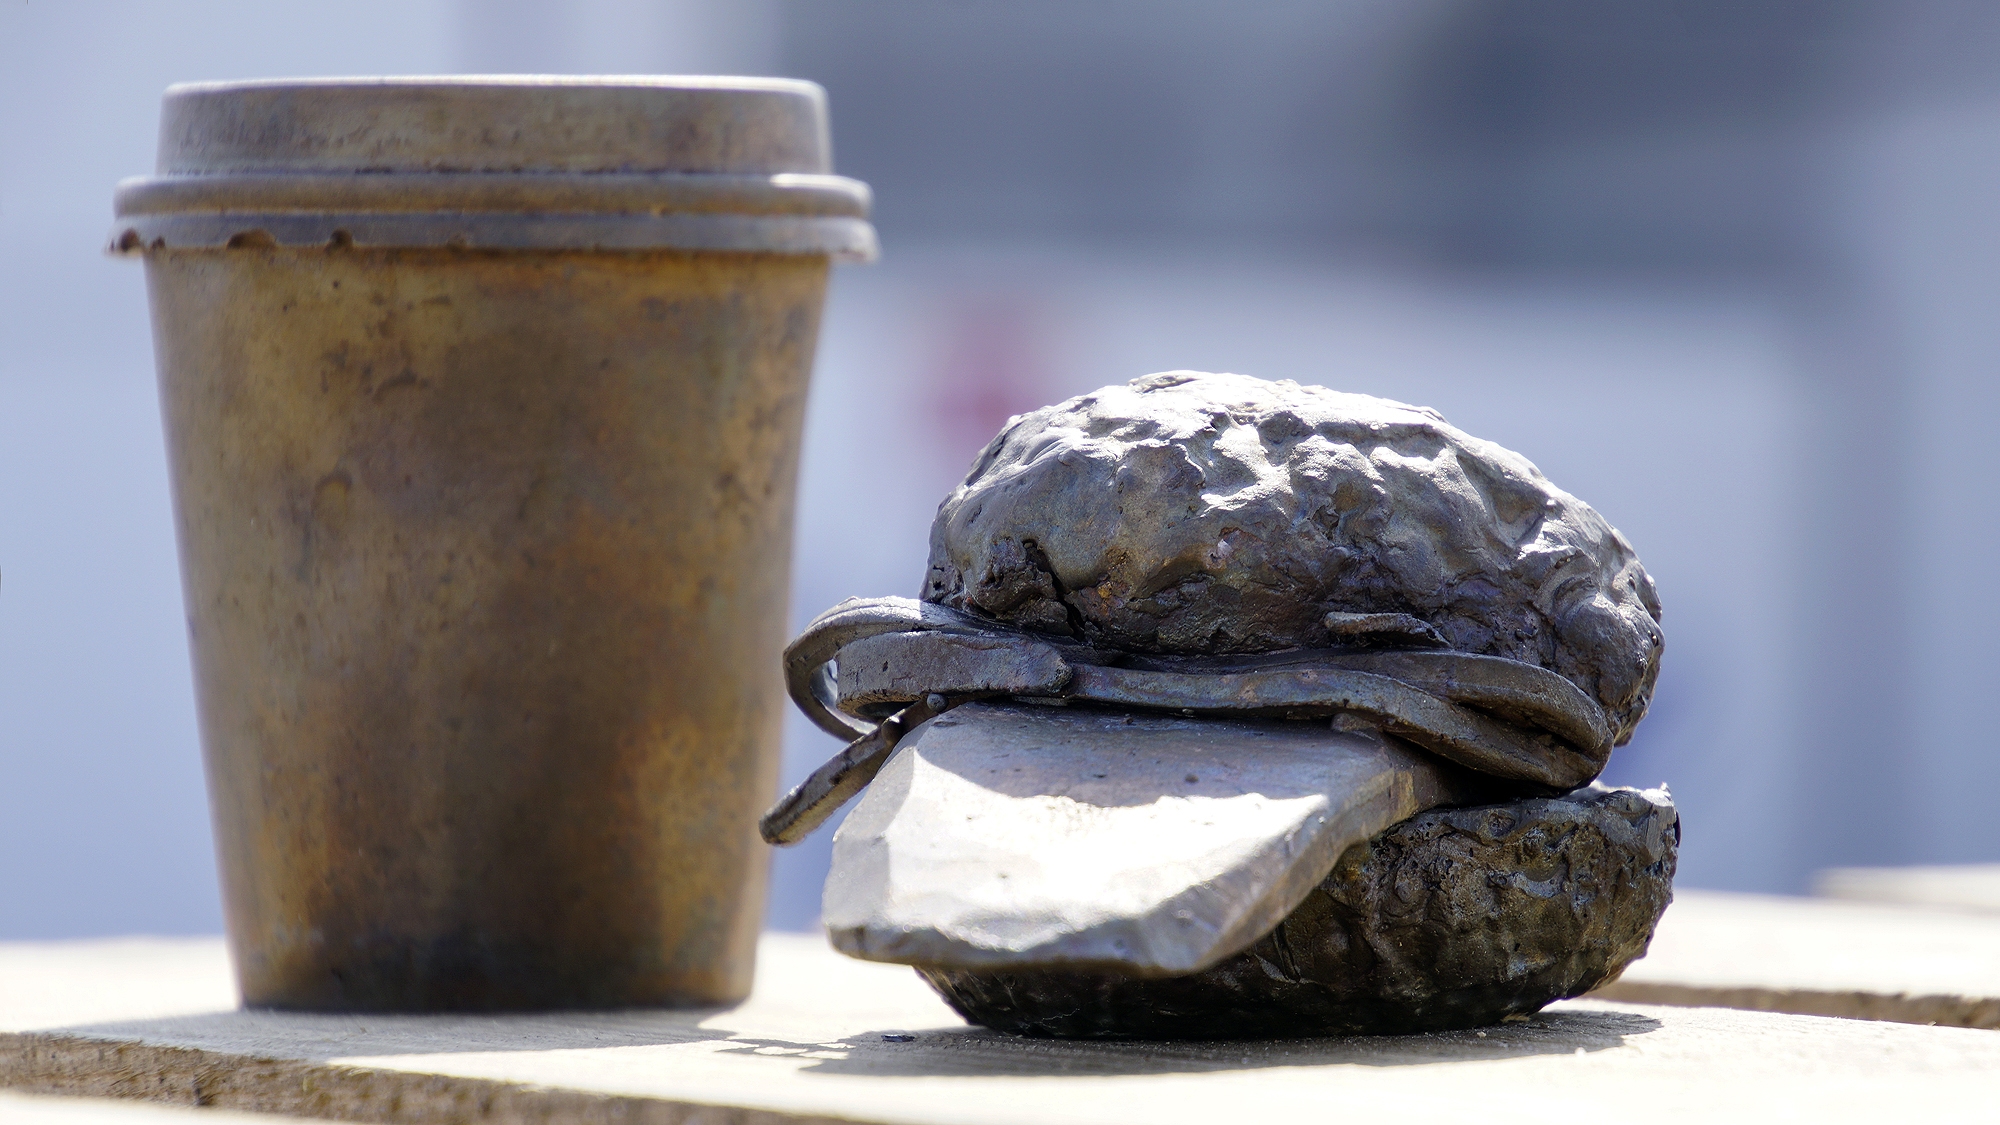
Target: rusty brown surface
[485, 560]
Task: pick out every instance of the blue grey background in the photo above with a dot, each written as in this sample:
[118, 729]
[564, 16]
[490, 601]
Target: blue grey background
[1724, 269]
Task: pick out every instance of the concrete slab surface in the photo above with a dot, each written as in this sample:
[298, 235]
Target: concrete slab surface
[48, 1109]
[1821, 957]
[1968, 886]
[828, 1039]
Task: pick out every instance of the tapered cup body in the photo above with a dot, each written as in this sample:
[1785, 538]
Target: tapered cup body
[485, 552]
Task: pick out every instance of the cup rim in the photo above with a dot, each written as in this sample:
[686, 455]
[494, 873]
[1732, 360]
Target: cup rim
[725, 82]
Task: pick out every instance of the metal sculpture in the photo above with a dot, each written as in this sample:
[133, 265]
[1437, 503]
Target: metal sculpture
[1192, 652]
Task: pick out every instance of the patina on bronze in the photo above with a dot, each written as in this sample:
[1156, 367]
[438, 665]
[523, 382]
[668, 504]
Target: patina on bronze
[483, 401]
[1201, 660]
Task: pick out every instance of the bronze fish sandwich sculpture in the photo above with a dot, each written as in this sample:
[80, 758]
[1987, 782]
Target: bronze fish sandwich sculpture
[1236, 708]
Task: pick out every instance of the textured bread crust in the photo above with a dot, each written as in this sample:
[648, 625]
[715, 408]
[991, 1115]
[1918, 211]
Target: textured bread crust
[1194, 513]
[1452, 919]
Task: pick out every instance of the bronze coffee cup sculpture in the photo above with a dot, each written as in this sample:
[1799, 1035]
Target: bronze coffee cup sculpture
[1241, 708]
[483, 403]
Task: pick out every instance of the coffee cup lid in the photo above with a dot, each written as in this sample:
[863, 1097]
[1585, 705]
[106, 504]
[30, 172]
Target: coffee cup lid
[498, 162]
[526, 123]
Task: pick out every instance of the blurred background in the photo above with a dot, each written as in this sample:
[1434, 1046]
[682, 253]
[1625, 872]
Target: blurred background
[1726, 269]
